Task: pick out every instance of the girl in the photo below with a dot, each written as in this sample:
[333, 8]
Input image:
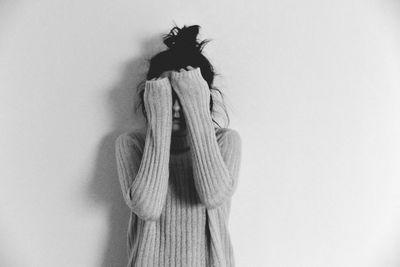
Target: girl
[178, 177]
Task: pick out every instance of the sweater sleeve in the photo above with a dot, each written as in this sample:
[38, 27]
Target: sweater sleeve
[143, 168]
[216, 158]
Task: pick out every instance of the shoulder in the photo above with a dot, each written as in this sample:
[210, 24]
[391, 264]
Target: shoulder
[129, 139]
[228, 136]
[226, 132]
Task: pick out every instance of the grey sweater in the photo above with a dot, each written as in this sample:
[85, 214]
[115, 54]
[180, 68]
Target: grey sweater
[179, 199]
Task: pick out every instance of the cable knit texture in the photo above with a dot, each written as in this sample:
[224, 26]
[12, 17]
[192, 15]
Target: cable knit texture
[179, 202]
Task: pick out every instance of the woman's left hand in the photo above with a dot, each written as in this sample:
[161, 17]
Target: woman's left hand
[191, 87]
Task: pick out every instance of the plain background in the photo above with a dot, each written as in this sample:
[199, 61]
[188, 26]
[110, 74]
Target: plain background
[312, 87]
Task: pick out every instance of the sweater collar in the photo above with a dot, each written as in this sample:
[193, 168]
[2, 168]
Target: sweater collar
[179, 142]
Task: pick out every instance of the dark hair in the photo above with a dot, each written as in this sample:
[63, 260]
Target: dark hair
[183, 50]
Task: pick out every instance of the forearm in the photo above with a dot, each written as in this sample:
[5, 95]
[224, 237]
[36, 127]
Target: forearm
[145, 193]
[213, 180]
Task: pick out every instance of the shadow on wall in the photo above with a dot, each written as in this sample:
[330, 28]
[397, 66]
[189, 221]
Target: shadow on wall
[104, 188]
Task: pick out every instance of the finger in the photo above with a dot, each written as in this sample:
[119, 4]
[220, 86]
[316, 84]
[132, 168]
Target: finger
[190, 67]
[181, 69]
[164, 74]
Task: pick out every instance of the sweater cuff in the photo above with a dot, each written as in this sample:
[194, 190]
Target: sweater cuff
[159, 83]
[158, 101]
[158, 92]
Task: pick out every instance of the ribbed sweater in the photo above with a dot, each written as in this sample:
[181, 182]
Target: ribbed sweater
[179, 188]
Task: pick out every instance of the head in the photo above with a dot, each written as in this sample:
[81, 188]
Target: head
[183, 50]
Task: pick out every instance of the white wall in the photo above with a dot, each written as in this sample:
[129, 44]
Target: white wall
[312, 86]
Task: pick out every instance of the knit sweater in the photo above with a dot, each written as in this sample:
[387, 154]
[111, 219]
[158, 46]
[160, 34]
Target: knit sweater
[179, 188]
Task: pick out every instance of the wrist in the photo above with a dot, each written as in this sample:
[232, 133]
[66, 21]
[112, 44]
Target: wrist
[158, 91]
[162, 84]
[158, 99]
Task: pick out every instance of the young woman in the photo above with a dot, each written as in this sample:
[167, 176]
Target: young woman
[178, 177]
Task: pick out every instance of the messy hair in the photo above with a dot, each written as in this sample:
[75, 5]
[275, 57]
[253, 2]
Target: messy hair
[183, 50]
